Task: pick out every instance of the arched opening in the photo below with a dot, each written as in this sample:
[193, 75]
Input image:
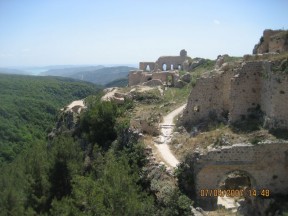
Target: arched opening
[170, 80]
[234, 187]
[179, 67]
[236, 180]
[172, 67]
[164, 67]
[147, 68]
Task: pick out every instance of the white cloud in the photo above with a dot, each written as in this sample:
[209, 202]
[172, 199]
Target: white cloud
[216, 22]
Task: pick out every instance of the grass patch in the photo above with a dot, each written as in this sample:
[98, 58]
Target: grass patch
[232, 58]
[148, 97]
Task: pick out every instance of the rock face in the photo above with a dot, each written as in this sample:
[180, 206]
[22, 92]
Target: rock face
[68, 119]
[112, 94]
[272, 41]
[239, 92]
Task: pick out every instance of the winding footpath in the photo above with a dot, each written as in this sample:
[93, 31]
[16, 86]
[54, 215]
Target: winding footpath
[162, 145]
[166, 133]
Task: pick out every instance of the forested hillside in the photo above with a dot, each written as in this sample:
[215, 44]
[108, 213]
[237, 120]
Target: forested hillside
[96, 169]
[28, 108]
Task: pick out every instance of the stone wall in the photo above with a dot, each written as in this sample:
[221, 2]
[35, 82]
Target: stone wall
[265, 164]
[165, 76]
[172, 63]
[272, 41]
[147, 66]
[138, 77]
[237, 91]
[279, 42]
[274, 97]
[245, 90]
[209, 98]
[169, 64]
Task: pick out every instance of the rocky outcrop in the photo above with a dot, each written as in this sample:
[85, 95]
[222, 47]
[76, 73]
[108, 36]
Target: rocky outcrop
[112, 94]
[68, 119]
[272, 41]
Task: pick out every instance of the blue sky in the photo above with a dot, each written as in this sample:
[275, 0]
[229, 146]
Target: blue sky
[55, 32]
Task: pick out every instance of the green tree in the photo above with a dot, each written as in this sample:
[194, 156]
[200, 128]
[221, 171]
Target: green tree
[115, 193]
[99, 123]
[66, 162]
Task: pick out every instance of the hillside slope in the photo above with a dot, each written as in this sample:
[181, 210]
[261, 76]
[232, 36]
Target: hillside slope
[67, 72]
[103, 75]
[95, 74]
[11, 71]
[29, 105]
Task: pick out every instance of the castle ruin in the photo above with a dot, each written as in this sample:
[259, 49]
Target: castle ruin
[264, 165]
[272, 41]
[234, 92]
[163, 71]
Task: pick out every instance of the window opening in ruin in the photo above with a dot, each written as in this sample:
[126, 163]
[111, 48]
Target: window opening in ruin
[150, 78]
[147, 68]
[164, 67]
[172, 67]
[179, 67]
[238, 182]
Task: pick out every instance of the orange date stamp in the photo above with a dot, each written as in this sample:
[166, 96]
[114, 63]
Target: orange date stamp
[234, 193]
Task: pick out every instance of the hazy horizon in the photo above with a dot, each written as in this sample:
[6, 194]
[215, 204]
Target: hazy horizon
[40, 33]
[69, 65]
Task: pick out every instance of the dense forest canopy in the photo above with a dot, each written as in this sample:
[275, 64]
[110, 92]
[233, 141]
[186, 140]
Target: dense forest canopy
[29, 105]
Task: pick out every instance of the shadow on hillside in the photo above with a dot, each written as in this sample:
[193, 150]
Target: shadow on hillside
[279, 133]
[246, 126]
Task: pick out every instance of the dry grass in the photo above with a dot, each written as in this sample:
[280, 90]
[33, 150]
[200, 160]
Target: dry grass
[268, 57]
[182, 143]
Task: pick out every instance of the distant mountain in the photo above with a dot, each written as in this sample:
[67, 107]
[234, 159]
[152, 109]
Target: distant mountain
[66, 72]
[104, 75]
[11, 71]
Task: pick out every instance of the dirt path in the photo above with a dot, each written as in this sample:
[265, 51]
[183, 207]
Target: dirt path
[166, 132]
